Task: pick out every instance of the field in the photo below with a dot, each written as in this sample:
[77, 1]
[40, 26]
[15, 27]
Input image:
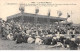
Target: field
[11, 45]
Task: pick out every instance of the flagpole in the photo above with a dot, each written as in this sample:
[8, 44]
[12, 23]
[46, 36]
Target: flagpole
[68, 15]
[59, 14]
[48, 17]
[21, 8]
[36, 12]
[71, 17]
[66, 25]
[58, 26]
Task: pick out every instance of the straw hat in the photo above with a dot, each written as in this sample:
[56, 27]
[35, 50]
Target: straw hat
[78, 36]
[33, 33]
[68, 37]
[61, 35]
[43, 35]
[29, 35]
[50, 35]
[72, 39]
[10, 33]
[54, 37]
[37, 36]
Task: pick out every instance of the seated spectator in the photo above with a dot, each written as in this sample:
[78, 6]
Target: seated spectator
[73, 45]
[61, 39]
[15, 36]
[30, 39]
[47, 40]
[10, 36]
[59, 44]
[54, 41]
[78, 40]
[25, 38]
[67, 42]
[19, 38]
[38, 40]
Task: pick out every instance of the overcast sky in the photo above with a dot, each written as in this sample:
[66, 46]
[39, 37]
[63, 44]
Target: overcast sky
[8, 9]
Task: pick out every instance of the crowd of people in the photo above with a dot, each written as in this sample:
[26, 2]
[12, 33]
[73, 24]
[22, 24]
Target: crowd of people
[39, 34]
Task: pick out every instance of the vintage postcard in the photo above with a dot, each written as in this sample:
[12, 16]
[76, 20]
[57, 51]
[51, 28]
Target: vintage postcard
[39, 25]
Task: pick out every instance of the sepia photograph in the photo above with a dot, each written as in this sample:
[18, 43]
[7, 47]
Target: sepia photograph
[39, 25]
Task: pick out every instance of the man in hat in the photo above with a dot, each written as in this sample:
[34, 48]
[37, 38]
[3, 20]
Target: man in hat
[58, 45]
[54, 41]
[25, 37]
[10, 36]
[61, 38]
[77, 40]
[47, 40]
[67, 41]
[73, 45]
[15, 36]
[19, 38]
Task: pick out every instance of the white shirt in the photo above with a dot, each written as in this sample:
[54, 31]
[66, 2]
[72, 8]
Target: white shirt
[38, 41]
[9, 37]
[28, 31]
[30, 40]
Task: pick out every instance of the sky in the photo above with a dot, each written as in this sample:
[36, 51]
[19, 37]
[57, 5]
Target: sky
[11, 7]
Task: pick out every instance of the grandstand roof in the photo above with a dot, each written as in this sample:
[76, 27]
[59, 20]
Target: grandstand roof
[37, 15]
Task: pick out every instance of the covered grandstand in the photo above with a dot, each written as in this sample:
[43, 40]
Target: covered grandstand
[28, 17]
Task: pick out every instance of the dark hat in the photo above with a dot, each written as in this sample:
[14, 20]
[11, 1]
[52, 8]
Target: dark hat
[72, 36]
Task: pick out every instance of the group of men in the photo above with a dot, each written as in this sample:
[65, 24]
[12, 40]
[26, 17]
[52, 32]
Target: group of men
[38, 35]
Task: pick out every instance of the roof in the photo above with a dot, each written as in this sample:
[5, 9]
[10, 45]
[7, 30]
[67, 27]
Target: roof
[37, 15]
[75, 24]
[66, 23]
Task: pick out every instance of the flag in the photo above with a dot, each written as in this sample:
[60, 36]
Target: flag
[68, 15]
[59, 13]
[49, 13]
[21, 8]
[36, 11]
